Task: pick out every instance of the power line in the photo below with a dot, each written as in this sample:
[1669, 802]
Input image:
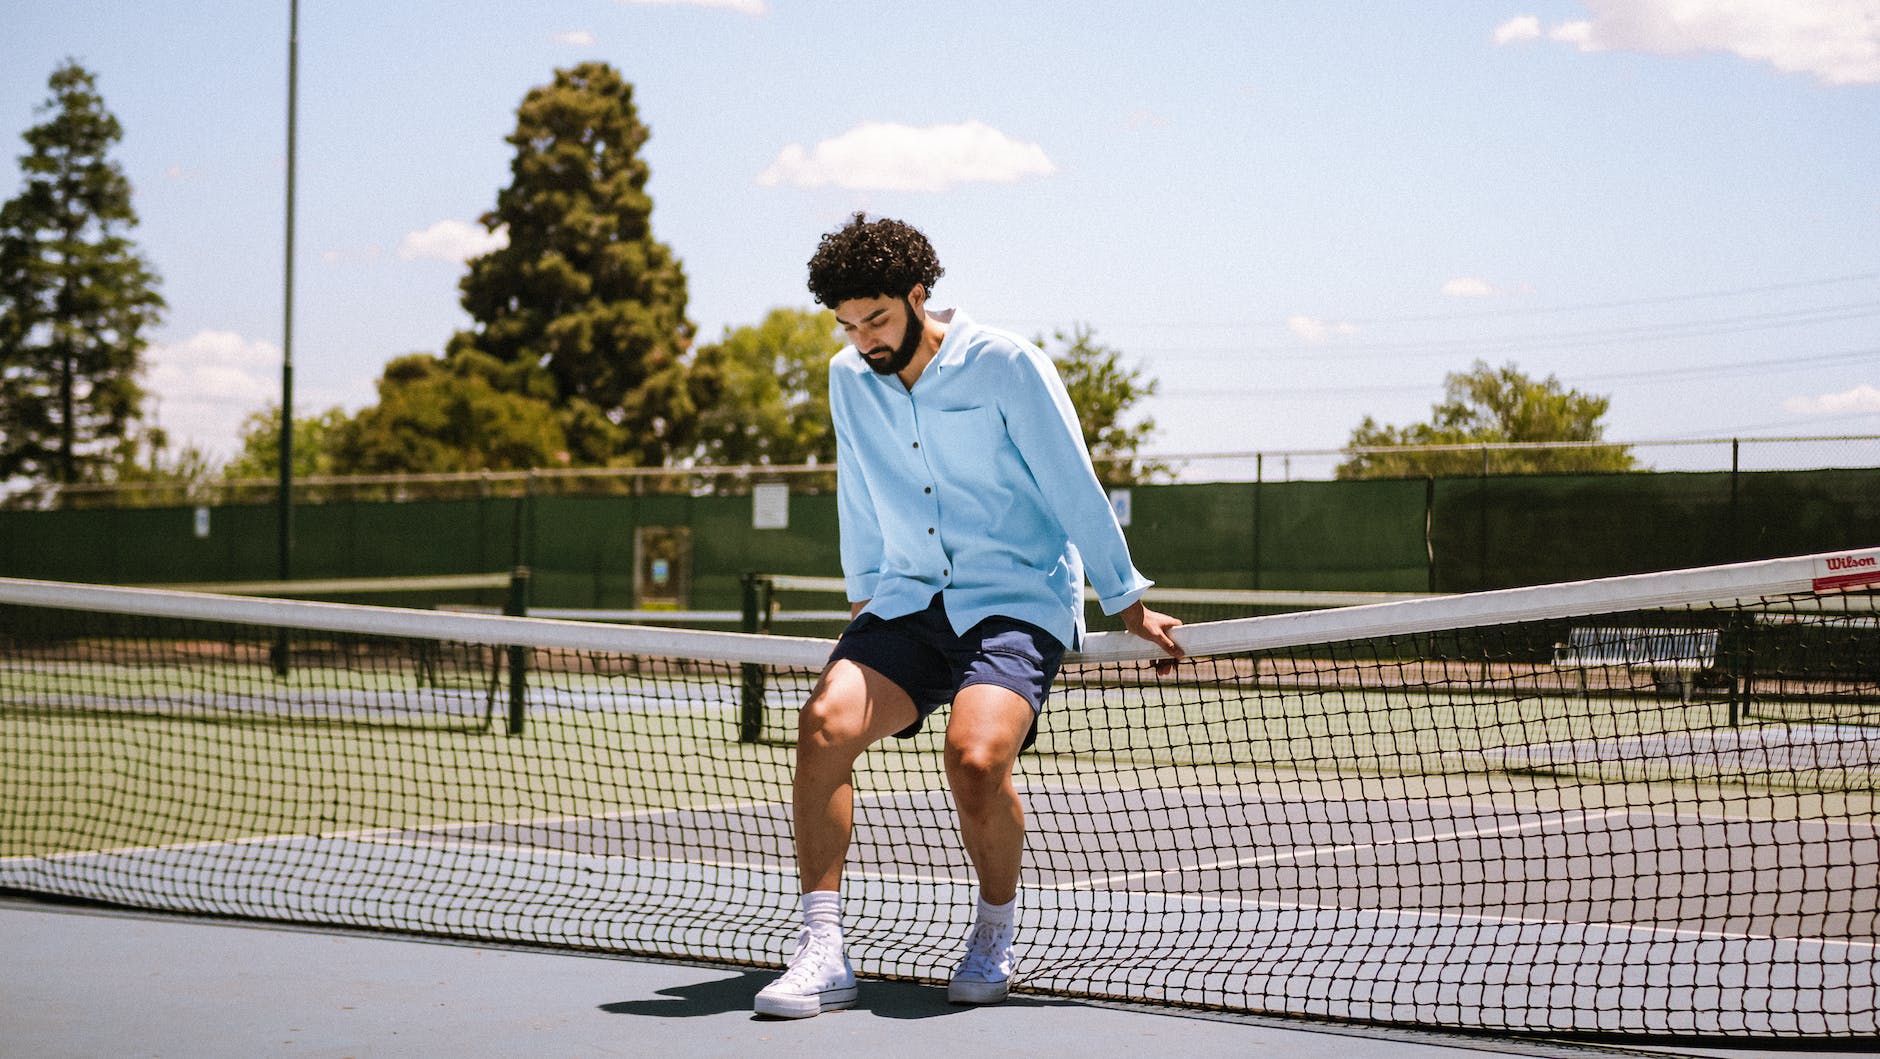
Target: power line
[1486, 314]
[1742, 367]
[1657, 332]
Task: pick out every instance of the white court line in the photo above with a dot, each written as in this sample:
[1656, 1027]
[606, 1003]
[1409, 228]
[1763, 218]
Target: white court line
[625, 814]
[734, 865]
[373, 834]
[1462, 918]
[862, 797]
[173, 847]
[1453, 920]
[1440, 919]
[1107, 882]
[1492, 808]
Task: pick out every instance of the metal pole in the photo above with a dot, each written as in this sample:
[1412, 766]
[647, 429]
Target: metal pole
[756, 614]
[518, 606]
[1429, 530]
[1738, 553]
[285, 501]
[1259, 491]
[1481, 525]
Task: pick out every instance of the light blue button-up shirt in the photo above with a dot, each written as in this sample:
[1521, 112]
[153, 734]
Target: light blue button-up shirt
[974, 483]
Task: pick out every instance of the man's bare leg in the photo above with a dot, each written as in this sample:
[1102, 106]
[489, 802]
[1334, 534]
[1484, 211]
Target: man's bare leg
[852, 708]
[984, 735]
[983, 738]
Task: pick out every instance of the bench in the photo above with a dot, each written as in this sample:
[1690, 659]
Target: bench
[1673, 656]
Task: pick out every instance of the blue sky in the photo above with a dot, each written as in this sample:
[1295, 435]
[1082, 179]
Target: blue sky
[1291, 214]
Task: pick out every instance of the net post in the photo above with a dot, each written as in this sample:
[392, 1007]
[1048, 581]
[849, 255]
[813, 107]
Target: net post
[1741, 656]
[756, 618]
[518, 606]
[280, 652]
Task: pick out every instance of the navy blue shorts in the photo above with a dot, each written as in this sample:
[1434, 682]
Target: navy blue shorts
[924, 657]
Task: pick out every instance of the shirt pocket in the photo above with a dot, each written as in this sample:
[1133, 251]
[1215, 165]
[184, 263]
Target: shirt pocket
[967, 442]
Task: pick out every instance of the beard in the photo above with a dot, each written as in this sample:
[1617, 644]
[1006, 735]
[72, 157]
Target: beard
[903, 355]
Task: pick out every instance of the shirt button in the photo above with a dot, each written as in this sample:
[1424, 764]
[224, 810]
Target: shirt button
[929, 531]
[946, 573]
[929, 489]
[917, 444]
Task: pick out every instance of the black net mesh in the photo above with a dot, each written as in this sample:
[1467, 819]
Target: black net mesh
[1656, 821]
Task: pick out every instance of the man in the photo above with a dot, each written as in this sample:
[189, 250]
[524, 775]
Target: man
[970, 516]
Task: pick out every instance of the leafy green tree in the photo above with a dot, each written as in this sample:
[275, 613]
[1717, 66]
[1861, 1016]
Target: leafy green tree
[315, 437]
[1486, 405]
[1106, 392]
[76, 300]
[762, 392]
[450, 415]
[144, 458]
[582, 289]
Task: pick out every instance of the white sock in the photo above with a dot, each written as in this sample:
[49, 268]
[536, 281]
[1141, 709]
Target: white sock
[1001, 915]
[822, 913]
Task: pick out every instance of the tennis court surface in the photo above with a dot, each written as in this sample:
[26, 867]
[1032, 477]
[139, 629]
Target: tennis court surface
[1641, 806]
[90, 982]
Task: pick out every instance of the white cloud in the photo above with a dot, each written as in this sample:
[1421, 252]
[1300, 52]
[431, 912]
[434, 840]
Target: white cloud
[1524, 28]
[1477, 287]
[1835, 41]
[1317, 331]
[1469, 287]
[578, 38]
[1860, 400]
[1579, 34]
[754, 8]
[881, 156]
[452, 241]
[205, 385]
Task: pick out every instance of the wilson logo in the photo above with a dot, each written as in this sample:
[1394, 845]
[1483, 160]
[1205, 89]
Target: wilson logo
[1852, 562]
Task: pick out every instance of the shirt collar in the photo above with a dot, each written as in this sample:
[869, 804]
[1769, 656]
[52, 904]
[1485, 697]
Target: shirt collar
[953, 347]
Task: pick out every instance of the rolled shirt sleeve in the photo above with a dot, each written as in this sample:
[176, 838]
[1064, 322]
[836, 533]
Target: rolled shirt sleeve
[1044, 426]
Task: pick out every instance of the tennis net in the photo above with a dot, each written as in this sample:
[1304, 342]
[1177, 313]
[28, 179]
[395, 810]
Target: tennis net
[1639, 805]
[803, 605]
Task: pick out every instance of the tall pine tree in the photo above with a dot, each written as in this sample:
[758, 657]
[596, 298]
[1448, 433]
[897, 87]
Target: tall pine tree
[76, 300]
[583, 291]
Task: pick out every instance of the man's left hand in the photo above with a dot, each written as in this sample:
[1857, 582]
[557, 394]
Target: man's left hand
[1155, 627]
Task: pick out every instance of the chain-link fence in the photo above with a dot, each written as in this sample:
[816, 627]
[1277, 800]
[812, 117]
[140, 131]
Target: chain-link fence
[1503, 458]
[1280, 465]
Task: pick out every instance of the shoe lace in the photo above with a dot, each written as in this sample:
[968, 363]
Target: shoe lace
[814, 953]
[987, 948]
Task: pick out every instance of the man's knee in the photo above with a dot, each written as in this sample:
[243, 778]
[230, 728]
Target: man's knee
[979, 759]
[851, 708]
[987, 729]
[832, 720]
[980, 765]
[980, 776]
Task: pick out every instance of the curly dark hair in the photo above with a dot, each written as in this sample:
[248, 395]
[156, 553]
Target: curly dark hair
[870, 259]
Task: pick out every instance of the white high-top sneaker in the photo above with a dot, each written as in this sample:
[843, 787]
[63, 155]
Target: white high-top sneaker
[819, 979]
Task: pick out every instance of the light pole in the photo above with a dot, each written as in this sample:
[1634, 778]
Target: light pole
[285, 501]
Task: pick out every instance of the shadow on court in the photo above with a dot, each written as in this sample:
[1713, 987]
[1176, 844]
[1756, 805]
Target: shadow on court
[888, 1000]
